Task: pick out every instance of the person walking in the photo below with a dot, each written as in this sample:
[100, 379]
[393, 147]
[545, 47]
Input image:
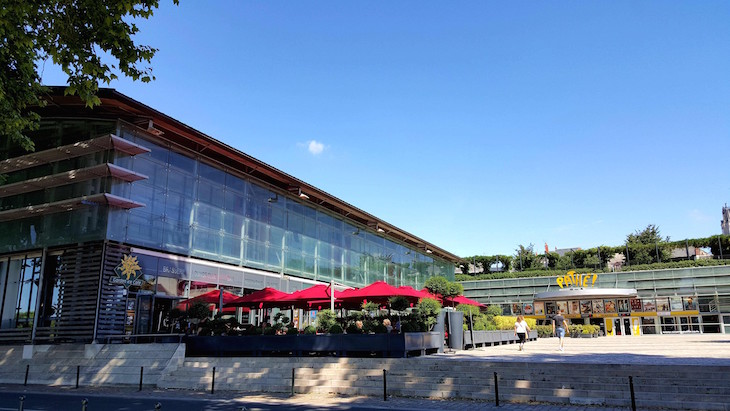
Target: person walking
[559, 327]
[521, 330]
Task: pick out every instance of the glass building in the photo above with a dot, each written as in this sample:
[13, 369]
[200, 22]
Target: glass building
[122, 211]
[669, 301]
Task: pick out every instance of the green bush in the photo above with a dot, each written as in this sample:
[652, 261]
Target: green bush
[336, 329]
[399, 303]
[544, 331]
[198, 310]
[380, 329]
[428, 309]
[325, 320]
[309, 330]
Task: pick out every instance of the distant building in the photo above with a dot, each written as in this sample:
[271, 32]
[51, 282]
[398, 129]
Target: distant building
[562, 251]
[725, 223]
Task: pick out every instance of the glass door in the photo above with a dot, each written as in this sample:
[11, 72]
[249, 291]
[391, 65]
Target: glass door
[627, 326]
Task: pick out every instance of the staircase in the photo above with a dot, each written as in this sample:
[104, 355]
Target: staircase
[705, 387]
[655, 386]
[95, 364]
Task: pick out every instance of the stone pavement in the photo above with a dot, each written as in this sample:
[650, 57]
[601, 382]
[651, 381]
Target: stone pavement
[690, 350]
[686, 349]
[323, 401]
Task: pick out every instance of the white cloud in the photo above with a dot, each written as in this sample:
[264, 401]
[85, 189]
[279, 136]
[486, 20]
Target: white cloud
[315, 147]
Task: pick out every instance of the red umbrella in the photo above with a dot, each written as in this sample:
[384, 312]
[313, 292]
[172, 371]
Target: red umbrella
[463, 300]
[269, 297]
[419, 293]
[319, 292]
[211, 297]
[380, 291]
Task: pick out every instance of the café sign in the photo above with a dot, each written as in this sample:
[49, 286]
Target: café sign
[577, 280]
[128, 272]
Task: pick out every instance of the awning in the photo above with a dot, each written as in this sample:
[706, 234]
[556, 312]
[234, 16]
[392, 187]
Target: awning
[68, 177]
[69, 205]
[586, 294]
[81, 148]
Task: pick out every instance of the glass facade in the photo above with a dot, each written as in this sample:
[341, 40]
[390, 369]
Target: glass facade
[198, 209]
[58, 228]
[684, 300]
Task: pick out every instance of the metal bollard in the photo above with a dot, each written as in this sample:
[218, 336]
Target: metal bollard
[633, 397]
[385, 386]
[496, 390]
[84, 403]
[212, 385]
[78, 372]
[22, 400]
[27, 370]
[158, 406]
[292, 381]
[141, 375]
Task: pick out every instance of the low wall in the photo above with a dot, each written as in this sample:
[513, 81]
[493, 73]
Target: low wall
[489, 338]
[342, 345]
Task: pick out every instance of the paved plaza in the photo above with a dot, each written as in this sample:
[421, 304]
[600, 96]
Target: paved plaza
[693, 349]
[689, 349]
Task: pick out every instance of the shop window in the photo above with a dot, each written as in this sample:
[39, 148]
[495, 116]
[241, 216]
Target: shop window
[711, 323]
[648, 325]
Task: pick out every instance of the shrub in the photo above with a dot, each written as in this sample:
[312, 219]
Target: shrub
[399, 303]
[428, 309]
[309, 330]
[325, 320]
[198, 310]
[336, 329]
[505, 323]
[380, 329]
[352, 329]
[544, 331]
[291, 330]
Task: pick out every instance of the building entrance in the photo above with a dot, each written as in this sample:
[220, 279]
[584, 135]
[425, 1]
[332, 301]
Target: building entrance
[621, 326]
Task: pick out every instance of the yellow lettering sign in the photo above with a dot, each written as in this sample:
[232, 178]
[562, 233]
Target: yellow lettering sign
[580, 280]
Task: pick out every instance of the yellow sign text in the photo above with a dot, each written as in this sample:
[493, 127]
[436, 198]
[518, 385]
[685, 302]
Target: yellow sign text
[578, 280]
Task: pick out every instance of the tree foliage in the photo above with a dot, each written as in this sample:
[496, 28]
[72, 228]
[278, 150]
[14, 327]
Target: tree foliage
[83, 37]
[649, 235]
[440, 286]
[428, 309]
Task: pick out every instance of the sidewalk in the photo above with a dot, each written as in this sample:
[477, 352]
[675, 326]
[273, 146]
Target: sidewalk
[324, 401]
[693, 350]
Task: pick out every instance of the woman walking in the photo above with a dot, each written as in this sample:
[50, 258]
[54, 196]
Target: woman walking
[521, 330]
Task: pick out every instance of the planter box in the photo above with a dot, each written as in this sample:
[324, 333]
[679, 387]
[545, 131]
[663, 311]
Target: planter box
[383, 345]
[482, 338]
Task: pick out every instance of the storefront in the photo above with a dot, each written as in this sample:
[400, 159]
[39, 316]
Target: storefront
[121, 212]
[618, 311]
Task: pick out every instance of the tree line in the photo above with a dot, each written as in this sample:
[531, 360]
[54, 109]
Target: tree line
[645, 249]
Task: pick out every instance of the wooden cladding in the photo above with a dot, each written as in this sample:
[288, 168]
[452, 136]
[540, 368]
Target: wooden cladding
[113, 297]
[76, 282]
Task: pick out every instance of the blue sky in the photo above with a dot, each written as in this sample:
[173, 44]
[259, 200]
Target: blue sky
[475, 125]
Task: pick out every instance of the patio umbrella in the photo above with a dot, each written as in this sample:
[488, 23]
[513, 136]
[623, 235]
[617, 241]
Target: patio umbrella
[268, 297]
[380, 292]
[319, 292]
[463, 300]
[211, 297]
